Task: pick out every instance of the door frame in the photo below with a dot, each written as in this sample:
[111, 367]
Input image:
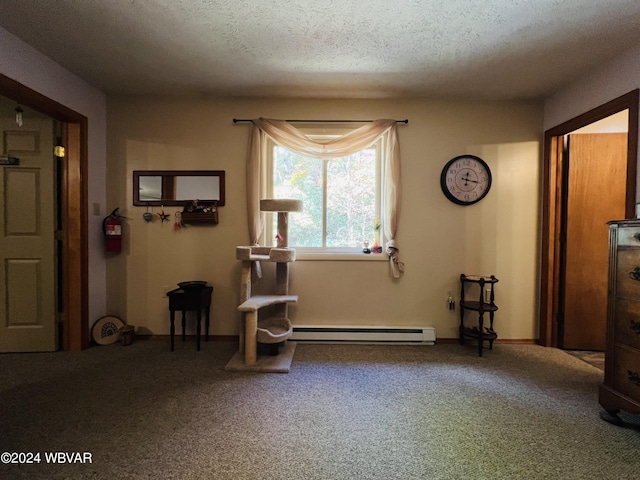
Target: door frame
[553, 204]
[75, 252]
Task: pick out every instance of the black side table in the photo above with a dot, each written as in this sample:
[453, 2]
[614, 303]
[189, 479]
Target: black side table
[193, 299]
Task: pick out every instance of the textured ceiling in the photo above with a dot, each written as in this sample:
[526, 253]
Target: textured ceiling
[507, 49]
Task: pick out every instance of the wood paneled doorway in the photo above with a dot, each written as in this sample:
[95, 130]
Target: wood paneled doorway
[554, 208]
[75, 272]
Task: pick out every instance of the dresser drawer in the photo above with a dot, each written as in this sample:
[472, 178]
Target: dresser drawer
[626, 376]
[629, 237]
[628, 273]
[627, 323]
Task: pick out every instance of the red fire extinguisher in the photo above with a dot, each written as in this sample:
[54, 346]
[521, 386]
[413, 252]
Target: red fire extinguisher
[112, 229]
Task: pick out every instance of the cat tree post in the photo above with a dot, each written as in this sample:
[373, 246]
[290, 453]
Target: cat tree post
[245, 294]
[276, 330]
[283, 207]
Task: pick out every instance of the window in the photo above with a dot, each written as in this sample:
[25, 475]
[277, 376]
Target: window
[341, 197]
[260, 172]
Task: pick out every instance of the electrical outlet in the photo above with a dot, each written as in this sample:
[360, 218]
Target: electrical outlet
[451, 303]
[96, 209]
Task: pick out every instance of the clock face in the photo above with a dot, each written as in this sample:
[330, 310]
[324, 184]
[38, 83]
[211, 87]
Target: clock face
[465, 179]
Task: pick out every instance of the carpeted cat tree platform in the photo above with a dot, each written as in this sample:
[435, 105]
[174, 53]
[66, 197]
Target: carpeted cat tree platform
[270, 333]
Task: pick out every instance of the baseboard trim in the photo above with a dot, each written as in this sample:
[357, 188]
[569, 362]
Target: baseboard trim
[503, 341]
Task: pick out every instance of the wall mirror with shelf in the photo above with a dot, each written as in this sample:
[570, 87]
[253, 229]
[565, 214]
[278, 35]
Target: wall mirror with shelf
[176, 187]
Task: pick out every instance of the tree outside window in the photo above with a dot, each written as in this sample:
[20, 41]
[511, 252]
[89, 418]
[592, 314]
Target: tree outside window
[340, 196]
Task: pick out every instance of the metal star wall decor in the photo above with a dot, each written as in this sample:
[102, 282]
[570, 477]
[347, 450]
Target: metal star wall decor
[164, 217]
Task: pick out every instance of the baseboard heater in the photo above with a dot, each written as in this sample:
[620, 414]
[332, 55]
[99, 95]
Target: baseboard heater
[358, 334]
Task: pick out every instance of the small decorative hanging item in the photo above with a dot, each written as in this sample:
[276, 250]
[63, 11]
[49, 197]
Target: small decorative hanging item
[164, 217]
[19, 111]
[147, 216]
[178, 225]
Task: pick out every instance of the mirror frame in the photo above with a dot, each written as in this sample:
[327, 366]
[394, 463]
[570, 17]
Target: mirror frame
[174, 173]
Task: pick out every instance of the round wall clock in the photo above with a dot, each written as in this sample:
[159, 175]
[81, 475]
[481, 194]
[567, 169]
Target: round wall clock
[465, 179]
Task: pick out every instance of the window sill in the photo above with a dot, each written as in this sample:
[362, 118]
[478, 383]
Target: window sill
[358, 257]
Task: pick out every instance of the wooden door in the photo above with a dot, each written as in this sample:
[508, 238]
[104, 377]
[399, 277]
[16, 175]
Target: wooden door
[596, 193]
[27, 239]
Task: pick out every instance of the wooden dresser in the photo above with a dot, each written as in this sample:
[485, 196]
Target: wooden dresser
[621, 387]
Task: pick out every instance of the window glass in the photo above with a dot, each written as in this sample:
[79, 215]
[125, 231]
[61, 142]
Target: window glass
[340, 197]
[301, 178]
[351, 199]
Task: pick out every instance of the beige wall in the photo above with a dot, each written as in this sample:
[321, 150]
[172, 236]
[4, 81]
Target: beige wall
[438, 240]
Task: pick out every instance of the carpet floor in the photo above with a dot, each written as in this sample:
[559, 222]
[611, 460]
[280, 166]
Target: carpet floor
[342, 412]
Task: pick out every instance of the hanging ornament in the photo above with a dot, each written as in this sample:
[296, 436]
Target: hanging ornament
[147, 215]
[19, 112]
[178, 225]
[164, 217]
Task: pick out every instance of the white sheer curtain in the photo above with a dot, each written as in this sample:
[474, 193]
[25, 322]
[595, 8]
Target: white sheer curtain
[288, 136]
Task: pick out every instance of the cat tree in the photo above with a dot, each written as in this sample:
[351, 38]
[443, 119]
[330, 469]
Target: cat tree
[276, 329]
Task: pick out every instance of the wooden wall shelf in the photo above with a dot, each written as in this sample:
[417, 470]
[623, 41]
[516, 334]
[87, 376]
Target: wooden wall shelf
[199, 218]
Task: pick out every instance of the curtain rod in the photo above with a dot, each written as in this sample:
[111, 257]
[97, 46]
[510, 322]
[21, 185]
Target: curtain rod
[405, 121]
